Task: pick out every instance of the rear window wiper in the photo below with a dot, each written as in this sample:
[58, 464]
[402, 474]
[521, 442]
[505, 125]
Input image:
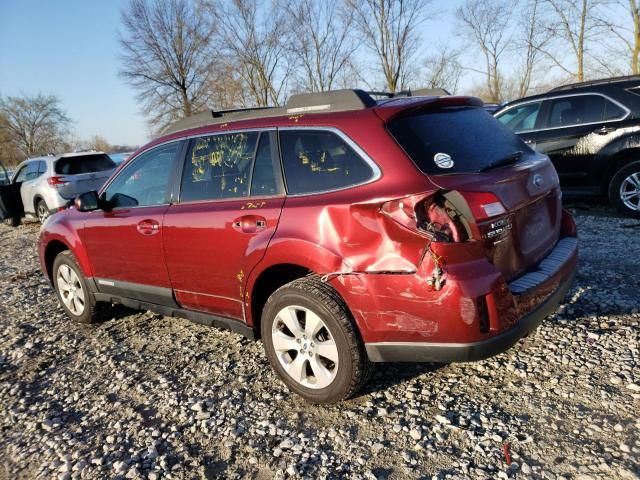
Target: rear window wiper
[510, 159]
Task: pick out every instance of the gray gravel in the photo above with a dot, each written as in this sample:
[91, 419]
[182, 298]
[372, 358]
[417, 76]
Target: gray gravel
[145, 396]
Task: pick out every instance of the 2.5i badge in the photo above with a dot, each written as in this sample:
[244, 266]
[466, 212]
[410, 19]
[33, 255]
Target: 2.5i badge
[443, 160]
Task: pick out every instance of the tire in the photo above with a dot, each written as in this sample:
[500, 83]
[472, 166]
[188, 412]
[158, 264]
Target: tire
[12, 222]
[301, 352]
[42, 211]
[626, 181]
[69, 282]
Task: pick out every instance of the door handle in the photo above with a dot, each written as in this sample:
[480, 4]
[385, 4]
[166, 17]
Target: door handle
[604, 130]
[250, 223]
[148, 227]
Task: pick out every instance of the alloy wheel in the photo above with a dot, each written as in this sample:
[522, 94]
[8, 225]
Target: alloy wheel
[43, 213]
[71, 290]
[630, 191]
[305, 347]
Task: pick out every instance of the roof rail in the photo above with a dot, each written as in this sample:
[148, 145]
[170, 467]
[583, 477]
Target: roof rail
[602, 81]
[316, 102]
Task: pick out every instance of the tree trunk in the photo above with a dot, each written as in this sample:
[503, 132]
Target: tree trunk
[635, 54]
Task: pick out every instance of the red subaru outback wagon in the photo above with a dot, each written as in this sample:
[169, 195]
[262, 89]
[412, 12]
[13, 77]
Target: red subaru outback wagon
[339, 229]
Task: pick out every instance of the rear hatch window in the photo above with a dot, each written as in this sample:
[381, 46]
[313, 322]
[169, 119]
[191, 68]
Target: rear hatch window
[457, 140]
[84, 164]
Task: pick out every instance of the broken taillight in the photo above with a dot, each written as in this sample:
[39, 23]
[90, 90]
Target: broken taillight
[483, 205]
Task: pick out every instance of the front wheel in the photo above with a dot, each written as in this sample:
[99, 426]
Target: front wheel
[312, 343]
[624, 190]
[74, 295]
[12, 221]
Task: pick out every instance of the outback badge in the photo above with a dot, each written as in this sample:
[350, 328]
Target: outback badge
[443, 160]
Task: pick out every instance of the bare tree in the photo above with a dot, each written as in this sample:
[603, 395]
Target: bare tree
[625, 30]
[487, 24]
[167, 55]
[322, 41]
[532, 39]
[442, 70]
[573, 25]
[99, 143]
[389, 28]
[255, 37]
[34, 124]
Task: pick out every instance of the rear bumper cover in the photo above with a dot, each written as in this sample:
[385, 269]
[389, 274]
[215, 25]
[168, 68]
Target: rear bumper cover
[466, 352]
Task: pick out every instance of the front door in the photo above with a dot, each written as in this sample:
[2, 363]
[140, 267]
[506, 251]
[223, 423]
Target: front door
[125, 242]
[10, 200]
[228, 211]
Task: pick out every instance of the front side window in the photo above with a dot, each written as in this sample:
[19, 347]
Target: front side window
[522, 117]
[318, 160]
[145, 181]
[21, 176]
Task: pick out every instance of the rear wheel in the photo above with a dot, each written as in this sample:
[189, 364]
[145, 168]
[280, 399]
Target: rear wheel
[312, 343]
[624, 190]
[42, 211]
[74, 295]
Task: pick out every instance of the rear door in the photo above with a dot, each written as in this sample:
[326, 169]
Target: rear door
[125, 243]
[231, 197]
[82, 173]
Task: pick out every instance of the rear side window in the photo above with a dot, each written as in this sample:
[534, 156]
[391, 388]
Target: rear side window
[455, 140]
[613, 111]
[84, 164]
[218, 167]
[318, 160]
[264, 181]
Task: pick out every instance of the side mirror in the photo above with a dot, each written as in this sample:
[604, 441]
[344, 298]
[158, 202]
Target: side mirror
[87, 202]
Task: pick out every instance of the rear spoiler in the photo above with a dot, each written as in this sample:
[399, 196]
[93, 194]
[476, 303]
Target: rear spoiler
[388, 112]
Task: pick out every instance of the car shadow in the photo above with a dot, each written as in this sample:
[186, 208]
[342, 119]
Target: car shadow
[387, 375]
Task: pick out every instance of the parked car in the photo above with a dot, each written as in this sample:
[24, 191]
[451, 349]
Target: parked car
[591, 132]
[45, 185]
[339, 229]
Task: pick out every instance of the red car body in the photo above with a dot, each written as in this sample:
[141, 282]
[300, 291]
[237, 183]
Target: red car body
[413, 298]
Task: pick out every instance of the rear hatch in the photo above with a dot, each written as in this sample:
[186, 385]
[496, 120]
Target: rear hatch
[81, 173]
[508, 194]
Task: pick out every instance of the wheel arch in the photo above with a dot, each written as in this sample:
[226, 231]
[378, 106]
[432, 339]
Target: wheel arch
[36, 198]
[617, 161]
[52, 250]
[268, 281]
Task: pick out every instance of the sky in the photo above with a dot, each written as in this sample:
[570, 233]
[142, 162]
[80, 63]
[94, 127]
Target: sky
[69, 48]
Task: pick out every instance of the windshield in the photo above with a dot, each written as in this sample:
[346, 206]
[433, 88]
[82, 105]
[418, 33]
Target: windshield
[84, 164]
[456, 140]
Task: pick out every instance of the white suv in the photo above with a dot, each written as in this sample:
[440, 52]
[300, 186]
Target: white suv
[47, 184]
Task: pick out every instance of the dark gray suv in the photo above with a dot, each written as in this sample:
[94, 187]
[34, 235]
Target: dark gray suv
[591, 132]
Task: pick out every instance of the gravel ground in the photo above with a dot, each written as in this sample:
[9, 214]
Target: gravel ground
[144, 396]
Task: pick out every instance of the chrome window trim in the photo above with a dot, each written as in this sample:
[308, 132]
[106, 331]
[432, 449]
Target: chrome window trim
[541, 100]
[377, 173]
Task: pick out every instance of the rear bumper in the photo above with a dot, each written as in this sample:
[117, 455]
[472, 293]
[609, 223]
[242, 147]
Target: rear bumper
[466, 352]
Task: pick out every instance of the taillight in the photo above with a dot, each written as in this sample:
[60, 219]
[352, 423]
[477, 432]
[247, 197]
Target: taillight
[483, 205]
[57, 182]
